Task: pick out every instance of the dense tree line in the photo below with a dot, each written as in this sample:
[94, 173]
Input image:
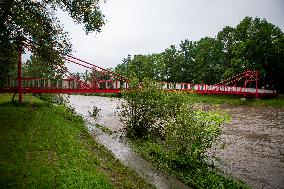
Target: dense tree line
[254, 44]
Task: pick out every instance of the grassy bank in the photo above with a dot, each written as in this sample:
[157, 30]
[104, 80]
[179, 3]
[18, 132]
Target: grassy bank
[47, 146]
[236, 100]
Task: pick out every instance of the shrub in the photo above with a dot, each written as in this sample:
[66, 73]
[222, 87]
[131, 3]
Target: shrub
[183, 132]
[147, 108]
[190, 134]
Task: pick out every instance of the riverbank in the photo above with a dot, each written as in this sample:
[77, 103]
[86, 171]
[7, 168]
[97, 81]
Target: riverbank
[47, 146]
[237, 100]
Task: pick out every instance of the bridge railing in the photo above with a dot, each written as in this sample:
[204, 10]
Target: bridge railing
[45, 83]
[214, 89]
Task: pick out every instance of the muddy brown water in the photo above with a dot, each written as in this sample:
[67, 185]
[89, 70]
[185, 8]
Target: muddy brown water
[254, 150]
[254, 146]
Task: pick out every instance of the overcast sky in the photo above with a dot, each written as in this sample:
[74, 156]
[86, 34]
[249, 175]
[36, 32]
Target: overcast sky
[150, 26]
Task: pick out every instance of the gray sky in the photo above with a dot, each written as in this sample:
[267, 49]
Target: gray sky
[150, 26]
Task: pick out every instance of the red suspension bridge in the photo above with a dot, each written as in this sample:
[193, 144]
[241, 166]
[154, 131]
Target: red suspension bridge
[236, 85]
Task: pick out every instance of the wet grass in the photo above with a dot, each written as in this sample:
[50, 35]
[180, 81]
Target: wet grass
[197, 176]
[104, 129]
[47, 146]
[237, 100]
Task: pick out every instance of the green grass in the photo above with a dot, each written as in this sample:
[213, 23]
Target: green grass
[4, 98]
[236, 100]
[47, 146]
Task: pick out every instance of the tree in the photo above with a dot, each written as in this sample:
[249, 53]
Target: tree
[140, 67]
[123, 68]
[188, 68]
[209, 61]
[86, 76]
[173, 64]
[258, 45]
[227, 39]
[35, 67]
[34, 22]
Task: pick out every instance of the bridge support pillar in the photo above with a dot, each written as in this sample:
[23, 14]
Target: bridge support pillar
[256, 84]
[48, 83]
[20, 87]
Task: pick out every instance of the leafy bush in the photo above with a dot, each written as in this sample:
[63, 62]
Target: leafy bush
[190, 134]
[146, 109]
[167, 129]
[170, 118]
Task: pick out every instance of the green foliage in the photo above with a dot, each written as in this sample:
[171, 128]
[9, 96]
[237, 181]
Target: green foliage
[197, 175]
[35, 22]
[104, 129]
[254, 44]
[190, 134]
[53, 98]
[224, 100]
[141, 66]
[36, 67]
[146, 107]
[209, 60]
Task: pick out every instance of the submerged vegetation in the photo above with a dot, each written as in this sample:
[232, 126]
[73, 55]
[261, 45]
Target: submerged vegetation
[166, 129]
[47, 146]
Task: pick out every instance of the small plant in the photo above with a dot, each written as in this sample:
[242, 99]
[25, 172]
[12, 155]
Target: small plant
[95, 112]
[60, 99]
[104, 129]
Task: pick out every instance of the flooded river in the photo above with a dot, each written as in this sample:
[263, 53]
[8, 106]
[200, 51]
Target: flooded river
[254, 150]
[108, 117]
[254, 146]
